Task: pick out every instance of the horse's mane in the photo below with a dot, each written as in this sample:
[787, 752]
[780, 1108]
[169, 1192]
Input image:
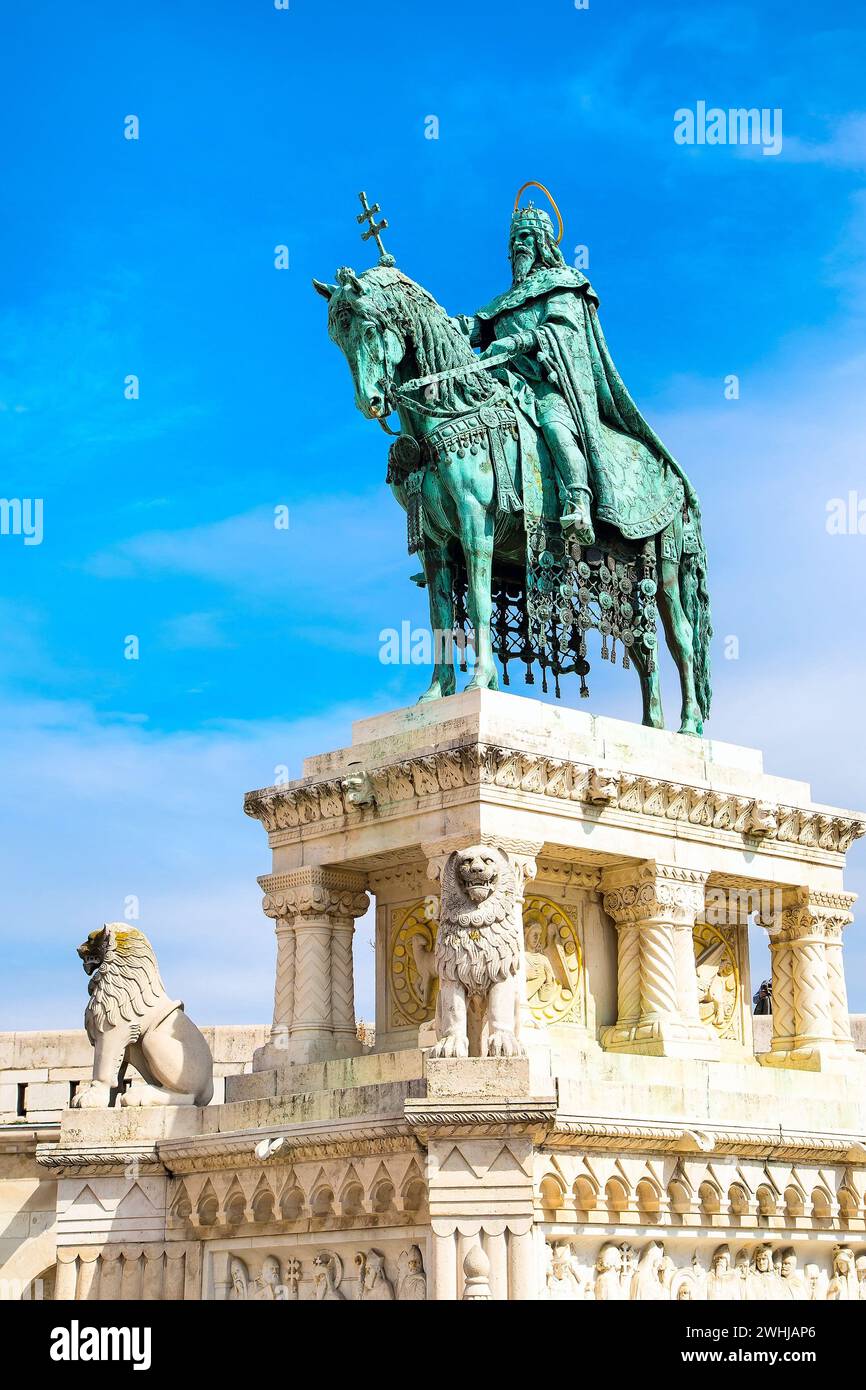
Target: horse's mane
[437, 342]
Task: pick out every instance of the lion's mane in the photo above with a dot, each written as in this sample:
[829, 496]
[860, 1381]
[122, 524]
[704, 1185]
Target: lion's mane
[477, 944]
[125, 984]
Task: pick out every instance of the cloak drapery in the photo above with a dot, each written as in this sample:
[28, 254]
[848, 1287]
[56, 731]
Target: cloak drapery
[637, 485]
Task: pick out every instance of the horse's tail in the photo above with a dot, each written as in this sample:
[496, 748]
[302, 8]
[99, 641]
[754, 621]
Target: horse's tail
[695, 598]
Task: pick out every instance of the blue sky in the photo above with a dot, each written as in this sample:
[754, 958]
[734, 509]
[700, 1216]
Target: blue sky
[156, 257]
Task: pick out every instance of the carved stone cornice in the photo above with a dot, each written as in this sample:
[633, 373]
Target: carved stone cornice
[107, 1161]
[314, 892]
[480, 1119]
[598, 789]
[642, 891]
[238, 1149]
[578, 1133]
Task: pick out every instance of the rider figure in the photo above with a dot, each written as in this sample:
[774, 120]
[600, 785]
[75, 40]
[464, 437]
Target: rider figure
[543, 291]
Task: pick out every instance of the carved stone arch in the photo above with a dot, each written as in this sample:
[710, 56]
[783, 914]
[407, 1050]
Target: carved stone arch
[322, 1198]
[413, 1190]
[351, 1193]
[738, 1200]
[616, 1193]
[381, 1194]
[181, 1202]
[822, 1204]
[551, 1192]
[711, 1196]
[767, 1200]
[263, 1201]
[292, 1200]
[585, 1190]
[649, 1195]
[234, 1204]
[680, 1192]
[795, 1201]
[848, 1198]
[208, 1206]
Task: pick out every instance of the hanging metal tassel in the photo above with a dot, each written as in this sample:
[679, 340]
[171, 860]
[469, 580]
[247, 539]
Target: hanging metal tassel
[604, 646]
[584, 689]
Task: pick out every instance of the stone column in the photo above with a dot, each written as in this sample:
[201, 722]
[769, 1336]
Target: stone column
[314, 1005]
[834, 926]
[811, 1026]
[274, 905]
[655, 907]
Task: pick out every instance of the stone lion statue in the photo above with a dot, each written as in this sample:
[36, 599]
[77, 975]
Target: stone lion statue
[130, 1018]
[479, 956]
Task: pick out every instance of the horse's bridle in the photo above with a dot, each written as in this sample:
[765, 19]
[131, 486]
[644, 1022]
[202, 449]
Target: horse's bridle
[401, 394]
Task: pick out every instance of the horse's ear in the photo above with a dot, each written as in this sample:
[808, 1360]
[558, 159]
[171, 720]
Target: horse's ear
[324, 290]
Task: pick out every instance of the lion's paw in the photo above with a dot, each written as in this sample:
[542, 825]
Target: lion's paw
[451, 1046]
[505, 1045]
[94, 1095]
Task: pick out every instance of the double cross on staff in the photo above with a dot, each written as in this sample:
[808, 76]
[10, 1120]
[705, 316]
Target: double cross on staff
[375, 228]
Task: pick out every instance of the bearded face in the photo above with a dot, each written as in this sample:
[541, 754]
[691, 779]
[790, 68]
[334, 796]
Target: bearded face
[478, 872]
[522, 251]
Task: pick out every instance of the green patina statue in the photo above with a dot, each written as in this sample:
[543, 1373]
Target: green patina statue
[539, 500]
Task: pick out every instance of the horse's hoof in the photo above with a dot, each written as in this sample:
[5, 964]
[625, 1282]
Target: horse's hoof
[437, 691]
[483, 682]
[692, 726]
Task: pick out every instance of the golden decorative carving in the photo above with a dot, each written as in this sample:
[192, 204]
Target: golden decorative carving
[411, 969]
[718, 979]
[553, 962]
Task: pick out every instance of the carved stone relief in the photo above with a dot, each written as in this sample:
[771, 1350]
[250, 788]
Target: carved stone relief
[719, 983]
[754, 1272]
[386, 1273]
[552, 954]
[411, 969]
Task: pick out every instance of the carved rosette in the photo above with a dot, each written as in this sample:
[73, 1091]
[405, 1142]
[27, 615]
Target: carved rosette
[314, 1007]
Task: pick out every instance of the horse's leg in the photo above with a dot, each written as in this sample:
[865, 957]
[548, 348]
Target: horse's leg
[678, 632]
[439, 573]
[476, 534]
[653, 715]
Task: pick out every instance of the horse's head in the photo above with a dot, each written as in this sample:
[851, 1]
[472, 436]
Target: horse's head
[363, 324]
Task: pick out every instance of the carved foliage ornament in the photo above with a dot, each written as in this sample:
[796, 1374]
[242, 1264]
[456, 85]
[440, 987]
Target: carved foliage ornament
[483, 764]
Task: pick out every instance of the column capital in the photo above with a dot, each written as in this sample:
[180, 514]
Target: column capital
[646, 889]
[805, 913]
[315, 892]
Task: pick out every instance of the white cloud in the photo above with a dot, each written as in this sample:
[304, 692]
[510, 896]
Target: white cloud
[107, 811]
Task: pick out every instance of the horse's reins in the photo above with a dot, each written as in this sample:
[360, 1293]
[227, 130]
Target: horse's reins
[401, 393]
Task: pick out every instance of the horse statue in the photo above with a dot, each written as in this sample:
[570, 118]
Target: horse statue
[477, 476]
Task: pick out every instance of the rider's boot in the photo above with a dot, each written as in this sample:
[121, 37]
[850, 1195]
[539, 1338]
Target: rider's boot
[576, 519]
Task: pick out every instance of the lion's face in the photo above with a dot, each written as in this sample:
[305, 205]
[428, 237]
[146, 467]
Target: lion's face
[477, 872]
[93, 950]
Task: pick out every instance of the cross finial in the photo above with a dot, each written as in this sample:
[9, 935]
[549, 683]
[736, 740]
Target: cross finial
[375, 228]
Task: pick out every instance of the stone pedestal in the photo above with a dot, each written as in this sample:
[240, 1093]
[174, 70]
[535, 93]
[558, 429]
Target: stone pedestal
[640, 1151]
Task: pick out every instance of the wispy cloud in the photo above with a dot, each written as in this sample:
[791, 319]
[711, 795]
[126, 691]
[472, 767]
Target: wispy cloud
[842, 147]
